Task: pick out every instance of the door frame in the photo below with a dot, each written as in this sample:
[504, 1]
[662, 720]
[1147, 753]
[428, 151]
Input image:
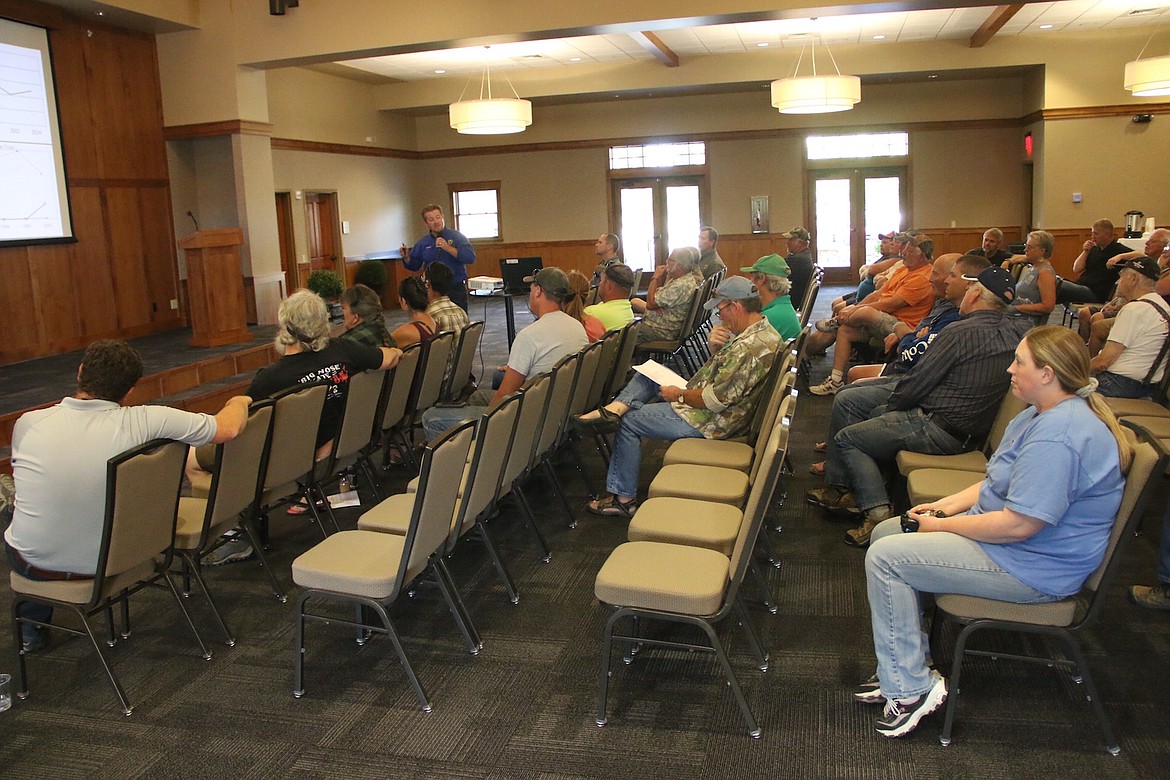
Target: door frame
[659, 178]
[331, 223]
[857, 171]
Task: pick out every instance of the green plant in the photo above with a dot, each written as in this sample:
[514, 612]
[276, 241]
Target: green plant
[371, 273]
[325, 283]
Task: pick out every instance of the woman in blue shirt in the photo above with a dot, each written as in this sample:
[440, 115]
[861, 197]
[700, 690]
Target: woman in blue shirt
[1032, 531]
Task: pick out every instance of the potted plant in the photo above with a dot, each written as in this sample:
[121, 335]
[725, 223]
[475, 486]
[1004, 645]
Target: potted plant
[329, 286]
[373, 274]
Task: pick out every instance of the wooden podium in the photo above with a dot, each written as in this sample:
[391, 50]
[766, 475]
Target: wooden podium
[215, 287]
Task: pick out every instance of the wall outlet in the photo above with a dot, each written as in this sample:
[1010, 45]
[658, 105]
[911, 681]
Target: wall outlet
[345, 226]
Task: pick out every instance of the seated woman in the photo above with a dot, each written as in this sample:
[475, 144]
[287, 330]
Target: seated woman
[668, 297]
[412, 297]
[1032, 531]
[579, 291]
[1036, 286]
[361, 311]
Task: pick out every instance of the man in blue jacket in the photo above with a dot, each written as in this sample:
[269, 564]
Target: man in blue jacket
[443, 245]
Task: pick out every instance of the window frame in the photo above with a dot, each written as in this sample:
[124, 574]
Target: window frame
[454, 188]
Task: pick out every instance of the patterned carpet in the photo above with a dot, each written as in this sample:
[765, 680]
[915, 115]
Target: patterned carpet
[525, 706]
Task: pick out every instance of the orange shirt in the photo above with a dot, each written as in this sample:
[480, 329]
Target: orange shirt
[914, 288]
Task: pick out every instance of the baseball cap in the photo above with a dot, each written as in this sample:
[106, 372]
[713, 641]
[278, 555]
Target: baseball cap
[621, 274]
[797, 232]
[885, 236]
[733, 288]
[998, 280]
[553, 281]
[773, 265]
[1146, 266]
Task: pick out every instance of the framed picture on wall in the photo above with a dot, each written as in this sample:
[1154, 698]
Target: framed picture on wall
[759, 215]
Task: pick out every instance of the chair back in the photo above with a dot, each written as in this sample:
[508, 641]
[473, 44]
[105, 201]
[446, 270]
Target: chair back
[357, 422]
[462, 359]
[759, 499]
[296, 415]
[142, 503]
[401, 386]
[810, 295]
[617, 380]
[536, 392]
[776, 373]
[588, 367]
[239, 466]
[1008, 409]
[1148, 460]
[436, 353]
[783, 412]
[493, 440]
[637, 283]
[611, 345]
[560, 396]
[434, 502]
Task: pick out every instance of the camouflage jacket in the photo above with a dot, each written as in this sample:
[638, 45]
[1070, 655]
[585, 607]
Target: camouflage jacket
[732, 382]
[674, 301]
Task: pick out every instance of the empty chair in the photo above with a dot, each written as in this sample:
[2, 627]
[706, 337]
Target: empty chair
[536, 396]
[656, 581]
[142, 499]
[369, 570]
[234, 490]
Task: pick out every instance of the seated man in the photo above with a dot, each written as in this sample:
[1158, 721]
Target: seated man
[1157, 248]
[992, 247]
[446, 313]
[770, 276]
[710, 263]
[1097, 278]
[1134, 358]
[59, 457]
[944, 405]
[798, 242]
[614, 308]
[668, 298]
[907, 297]
[717, 402]
[536, 350]
[890, 253]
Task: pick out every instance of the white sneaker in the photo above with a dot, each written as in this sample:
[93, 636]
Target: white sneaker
[829, 387]
[827, 326]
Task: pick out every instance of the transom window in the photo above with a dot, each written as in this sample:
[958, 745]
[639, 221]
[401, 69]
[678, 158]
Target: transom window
[657, 155]
[476, 209]
[835, 147]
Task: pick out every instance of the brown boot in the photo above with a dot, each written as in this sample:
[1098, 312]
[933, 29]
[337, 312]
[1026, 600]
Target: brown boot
[859, 537]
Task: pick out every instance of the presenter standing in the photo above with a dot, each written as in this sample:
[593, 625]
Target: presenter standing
[443, 245]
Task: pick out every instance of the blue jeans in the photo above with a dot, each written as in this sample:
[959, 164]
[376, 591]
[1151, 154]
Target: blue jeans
[28, 609]
[898, 567]
[865, 289]
[856, 403]
[1071, 292]
[654, 421]
[861, 449]
[438, 419]
[1118, 386]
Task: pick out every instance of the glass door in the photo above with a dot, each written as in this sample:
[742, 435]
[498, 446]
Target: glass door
[655, 216]
[850, 207]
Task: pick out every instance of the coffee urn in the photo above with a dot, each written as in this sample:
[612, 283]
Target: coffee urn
[1133, 224]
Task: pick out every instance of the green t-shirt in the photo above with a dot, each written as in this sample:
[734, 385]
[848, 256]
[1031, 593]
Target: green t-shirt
[783, 317]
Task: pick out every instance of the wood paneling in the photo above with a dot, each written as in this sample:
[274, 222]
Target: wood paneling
[119, 277]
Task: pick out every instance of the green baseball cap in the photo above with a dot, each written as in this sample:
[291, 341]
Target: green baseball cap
[772, 265]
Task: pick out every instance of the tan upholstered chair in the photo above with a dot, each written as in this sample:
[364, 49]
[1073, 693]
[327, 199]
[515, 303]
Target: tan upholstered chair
[461, 361]
[975, 460]
[231, 502]
[656, 581]
[358, 431]
[369, 570]
[289, 472]
[1064, 620]
[395, 422]
[432, 369]
[142, 498]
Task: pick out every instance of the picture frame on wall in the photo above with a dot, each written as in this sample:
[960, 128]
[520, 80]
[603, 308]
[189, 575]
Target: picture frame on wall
[759, 213]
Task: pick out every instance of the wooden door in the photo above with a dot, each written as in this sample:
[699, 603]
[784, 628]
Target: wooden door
[324, 231]
[288, 250]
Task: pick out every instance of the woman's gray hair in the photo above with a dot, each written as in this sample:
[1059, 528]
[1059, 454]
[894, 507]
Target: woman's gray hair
[363, 302]
[304, 319]
[687, 256]
[1045, 241]
[781, 285]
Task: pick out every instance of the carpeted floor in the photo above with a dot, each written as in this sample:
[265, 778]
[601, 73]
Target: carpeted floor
[525, 706]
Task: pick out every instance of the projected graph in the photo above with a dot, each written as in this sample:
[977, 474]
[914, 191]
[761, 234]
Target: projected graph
[29, 199]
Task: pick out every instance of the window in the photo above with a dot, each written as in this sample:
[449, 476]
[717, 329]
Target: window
[833, 147]
[476, 209]
[657, 155]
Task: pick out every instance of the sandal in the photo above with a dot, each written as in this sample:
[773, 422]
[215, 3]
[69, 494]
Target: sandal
[608, 422]
[821, 446]
[300, 507]
[817, 469]
[611, 507]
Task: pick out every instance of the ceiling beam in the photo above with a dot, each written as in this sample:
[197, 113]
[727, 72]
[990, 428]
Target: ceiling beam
[995, 20]
[653, 44]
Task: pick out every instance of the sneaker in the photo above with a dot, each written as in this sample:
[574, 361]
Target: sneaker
[238, 548]
[833, 498]
[828, 326]
[1151, 597]
[901, 716]
[34, 638]
[870, 691]
[859, 537]
[829, 387]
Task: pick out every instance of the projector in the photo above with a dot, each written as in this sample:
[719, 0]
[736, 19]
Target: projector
[484, 285]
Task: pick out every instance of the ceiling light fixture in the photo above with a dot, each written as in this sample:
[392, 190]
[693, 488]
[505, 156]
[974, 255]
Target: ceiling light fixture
[1047, 26]
[1149, 77]
[488, 115]
[815, 94]
[879, 37]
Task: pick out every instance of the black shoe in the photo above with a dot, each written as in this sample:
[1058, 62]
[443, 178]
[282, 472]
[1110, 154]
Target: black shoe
[39, 641]
[608, 422]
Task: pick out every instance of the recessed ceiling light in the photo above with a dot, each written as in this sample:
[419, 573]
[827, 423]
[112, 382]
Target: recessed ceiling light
[440, 71]
[574, 59]
[1046, 26]
[879, 37]
[761, 45]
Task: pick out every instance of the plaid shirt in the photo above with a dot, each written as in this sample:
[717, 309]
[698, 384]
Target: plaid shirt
[447, 315]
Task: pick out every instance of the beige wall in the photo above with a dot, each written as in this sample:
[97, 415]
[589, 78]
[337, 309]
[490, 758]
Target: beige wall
[308, 105]
[964, 178]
